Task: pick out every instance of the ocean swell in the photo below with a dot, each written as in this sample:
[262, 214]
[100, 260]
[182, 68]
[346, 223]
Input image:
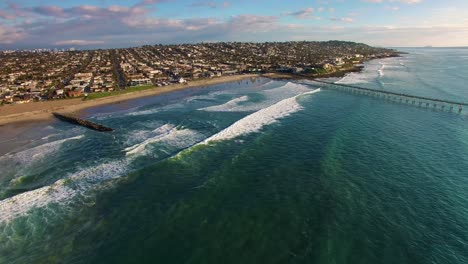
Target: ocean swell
[254, 122]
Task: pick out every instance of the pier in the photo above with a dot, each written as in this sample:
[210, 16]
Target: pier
[419, 101]
[82, 122]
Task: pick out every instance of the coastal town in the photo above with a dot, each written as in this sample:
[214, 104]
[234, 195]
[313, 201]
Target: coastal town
[38, 75]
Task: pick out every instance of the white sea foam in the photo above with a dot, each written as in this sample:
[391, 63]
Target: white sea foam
[381, 71]
[49, 136]
[20, 204]
[144, 112]
[80, 183]
[155, 110]
[62, 191]
[254, 122]
[159, 132]
[169, 135]
[36, 153]
[353, 78]
[227, 107]
[288, 89]
[271, 96]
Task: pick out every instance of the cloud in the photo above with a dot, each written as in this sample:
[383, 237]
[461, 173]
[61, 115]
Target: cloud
[123, 26]
[303, 13]
[49, 11]
[343, 19]
[252, 23]
[117, 26]
[211, 4]
[6, 15]
[10, 35]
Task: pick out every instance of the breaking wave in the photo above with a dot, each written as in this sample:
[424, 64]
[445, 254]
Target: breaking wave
[36, 153]
[271, 96]
[227, 107]
[353, 78]
[62, 191]
[79, 184]
[155, 110]
[381, 71]
[254, 122]
[169, 135]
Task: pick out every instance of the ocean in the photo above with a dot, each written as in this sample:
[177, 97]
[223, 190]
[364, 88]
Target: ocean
[256, 171]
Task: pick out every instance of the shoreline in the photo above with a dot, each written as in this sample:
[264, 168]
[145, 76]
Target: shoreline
[42, 111]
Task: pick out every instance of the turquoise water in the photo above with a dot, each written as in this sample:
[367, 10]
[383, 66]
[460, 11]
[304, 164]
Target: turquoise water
[257, 171]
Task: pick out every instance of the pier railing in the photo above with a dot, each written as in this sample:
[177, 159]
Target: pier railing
[420, 101]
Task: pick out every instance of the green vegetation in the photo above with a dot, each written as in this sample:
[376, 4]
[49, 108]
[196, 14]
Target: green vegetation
[92, 96]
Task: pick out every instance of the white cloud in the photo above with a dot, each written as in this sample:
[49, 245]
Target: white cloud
[10, 35]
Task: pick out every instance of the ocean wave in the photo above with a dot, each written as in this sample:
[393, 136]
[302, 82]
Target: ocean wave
[226, 107]
[381, 71]
[254, 122]
[21, 204]
[353, 78]
[160, 132]
[36, 153]
[77, 186]
[144, 112]
[289, 88]
[168, 135]
[271, 96]
[62, 191]
[155, 110]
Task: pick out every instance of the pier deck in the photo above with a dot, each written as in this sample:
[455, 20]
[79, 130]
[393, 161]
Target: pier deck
[399, 97]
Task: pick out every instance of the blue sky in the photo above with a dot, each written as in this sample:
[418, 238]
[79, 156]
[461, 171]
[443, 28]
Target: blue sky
[123, 23]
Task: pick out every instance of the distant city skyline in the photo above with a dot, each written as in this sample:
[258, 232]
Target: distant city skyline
[29, 24]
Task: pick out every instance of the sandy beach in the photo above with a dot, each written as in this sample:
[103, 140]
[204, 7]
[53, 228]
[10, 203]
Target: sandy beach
[43, 110]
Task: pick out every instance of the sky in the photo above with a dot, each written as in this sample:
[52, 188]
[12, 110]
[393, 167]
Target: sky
[87, 24]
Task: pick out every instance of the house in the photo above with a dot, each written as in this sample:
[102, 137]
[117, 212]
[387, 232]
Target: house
[75, 93]
[140, 82]
[208, 74]
[230, 72]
